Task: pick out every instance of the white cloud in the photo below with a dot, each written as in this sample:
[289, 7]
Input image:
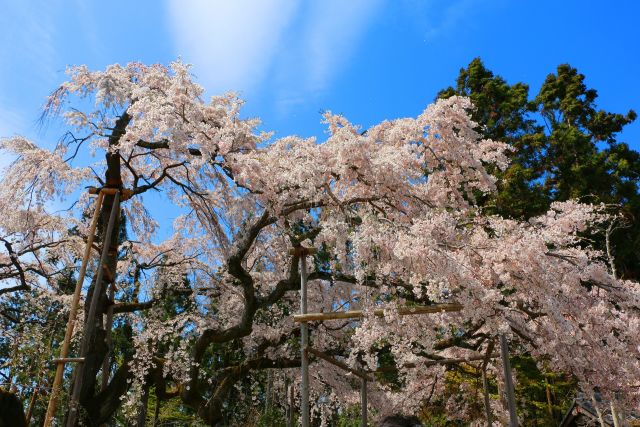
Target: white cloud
[334, 30]
[231, 43]
[238, 45]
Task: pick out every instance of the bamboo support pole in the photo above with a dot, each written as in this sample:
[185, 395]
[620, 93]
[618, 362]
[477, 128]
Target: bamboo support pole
[89, 322]
[66, 343]
[358, 314]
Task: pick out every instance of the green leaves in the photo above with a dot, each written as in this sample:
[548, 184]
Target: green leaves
[565, 147]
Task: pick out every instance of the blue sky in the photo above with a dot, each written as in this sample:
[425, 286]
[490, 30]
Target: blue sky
[366, 59]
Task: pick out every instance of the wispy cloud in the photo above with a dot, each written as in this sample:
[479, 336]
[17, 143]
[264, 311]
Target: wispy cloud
[232, 43]
[287, 46]
[334, 29]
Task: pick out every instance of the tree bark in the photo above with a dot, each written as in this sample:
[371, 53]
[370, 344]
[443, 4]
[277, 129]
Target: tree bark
[142, 409]
[97, 347]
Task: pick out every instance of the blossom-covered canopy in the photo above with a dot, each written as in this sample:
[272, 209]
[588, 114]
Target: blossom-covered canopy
[392, 210]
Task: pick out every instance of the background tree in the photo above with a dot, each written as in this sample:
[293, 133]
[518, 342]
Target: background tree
[564, 148]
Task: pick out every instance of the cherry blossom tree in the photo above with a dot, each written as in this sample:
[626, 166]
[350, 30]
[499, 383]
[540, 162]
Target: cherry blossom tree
[391, 210]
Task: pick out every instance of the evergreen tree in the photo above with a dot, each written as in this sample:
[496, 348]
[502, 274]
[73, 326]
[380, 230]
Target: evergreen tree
[564, 147]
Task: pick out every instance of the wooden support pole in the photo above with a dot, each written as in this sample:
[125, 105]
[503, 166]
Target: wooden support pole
[267, 398]
[358, 314]
[301, 250]
[89, 325]
[508, 382]
[614, 416]
[547, 389]
[457, 360]
[125, 193]
[598, 411]
[304, 336]
[61, 360]
[32, 403]
[66, 343]
[485, 385]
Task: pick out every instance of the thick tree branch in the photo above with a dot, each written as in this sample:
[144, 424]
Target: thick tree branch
[164, 144]
[23, 286]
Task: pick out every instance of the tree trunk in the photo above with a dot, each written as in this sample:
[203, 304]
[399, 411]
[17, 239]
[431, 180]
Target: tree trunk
[487, 398]
[96, 348]
[106, 363]
[156, 412]
[292, 406]
[142, 409]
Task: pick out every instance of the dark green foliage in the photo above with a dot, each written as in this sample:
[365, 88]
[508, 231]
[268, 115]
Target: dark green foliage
[503, 113]
[565, 147]
[543, 396]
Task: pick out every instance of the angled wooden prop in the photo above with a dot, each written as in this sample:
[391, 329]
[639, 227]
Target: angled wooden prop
[89, 325]
[63, 359]
[64, 351]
